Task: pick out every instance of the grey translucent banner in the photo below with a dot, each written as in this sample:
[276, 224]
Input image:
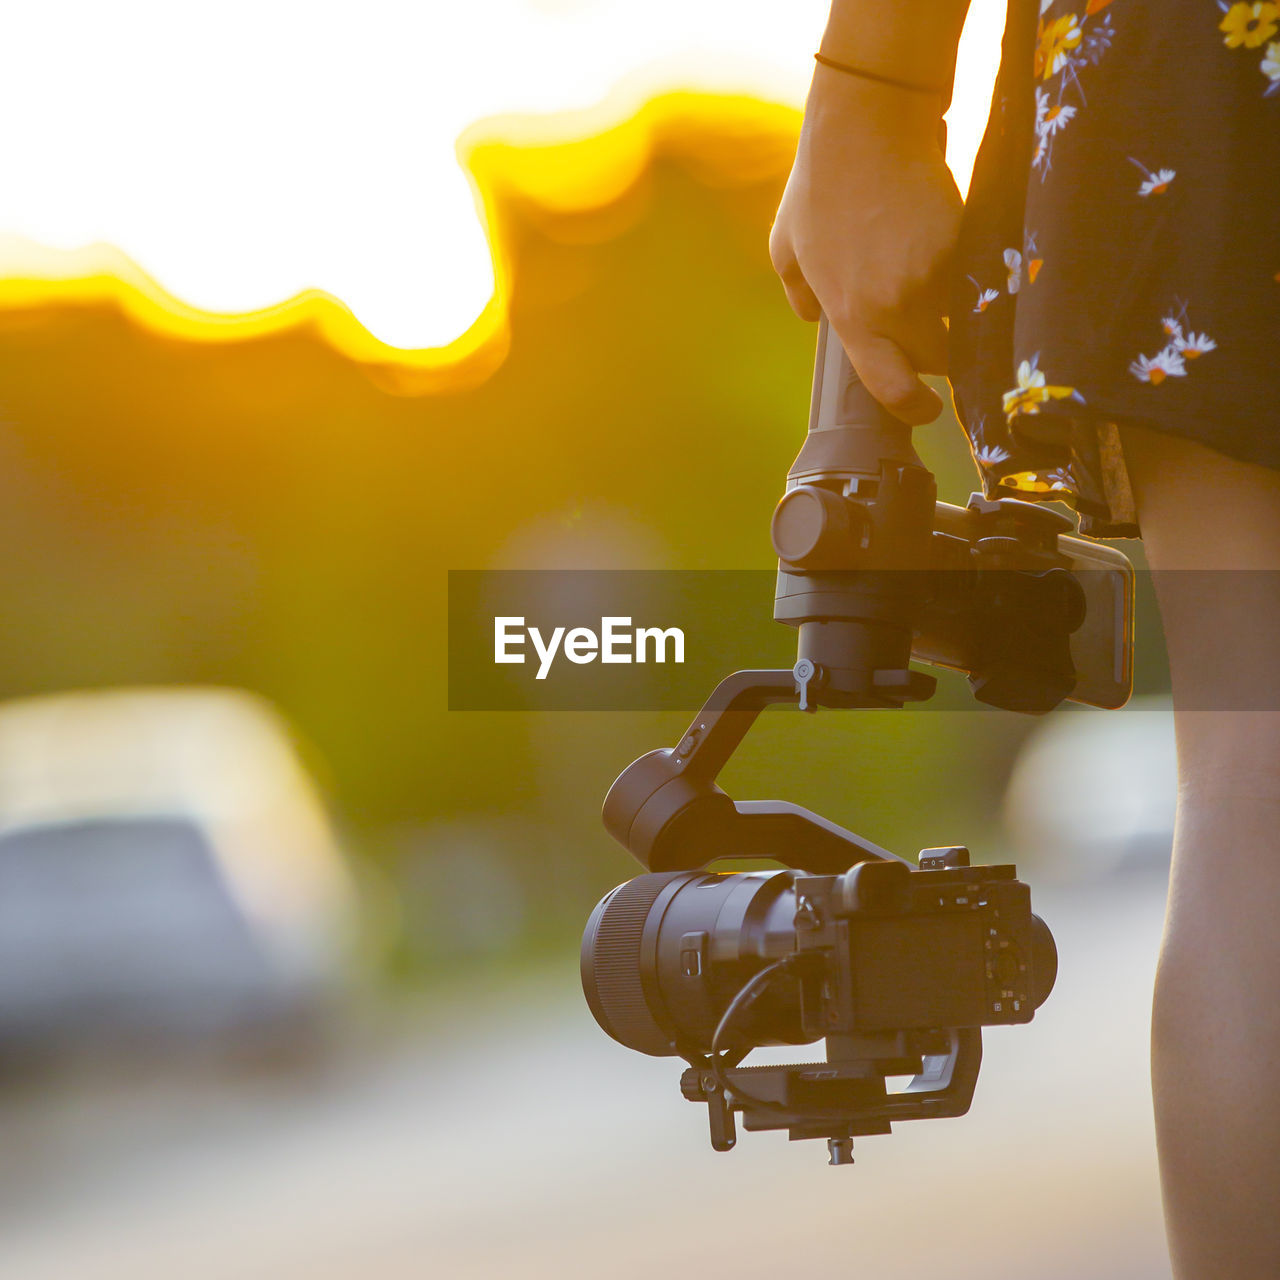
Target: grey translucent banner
[625, 640]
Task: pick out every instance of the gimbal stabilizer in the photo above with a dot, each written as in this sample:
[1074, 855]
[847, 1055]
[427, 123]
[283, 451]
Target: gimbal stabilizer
[896, 967]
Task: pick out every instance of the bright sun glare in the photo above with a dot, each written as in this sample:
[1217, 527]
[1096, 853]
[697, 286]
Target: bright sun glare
[244, 153]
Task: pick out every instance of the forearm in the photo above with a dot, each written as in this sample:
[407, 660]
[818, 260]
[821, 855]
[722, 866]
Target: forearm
[868, 223]
[913, 41]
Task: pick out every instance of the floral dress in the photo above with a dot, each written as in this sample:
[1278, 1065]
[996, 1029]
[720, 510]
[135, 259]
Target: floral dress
[1119, 259]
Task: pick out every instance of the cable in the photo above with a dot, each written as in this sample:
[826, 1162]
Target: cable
[748, 992]
[751, 990]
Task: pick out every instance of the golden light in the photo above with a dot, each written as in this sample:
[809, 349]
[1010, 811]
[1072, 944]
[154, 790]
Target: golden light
[271, 163]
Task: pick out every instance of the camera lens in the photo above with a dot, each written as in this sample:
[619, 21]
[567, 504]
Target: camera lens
[663, 954]
[611, 964]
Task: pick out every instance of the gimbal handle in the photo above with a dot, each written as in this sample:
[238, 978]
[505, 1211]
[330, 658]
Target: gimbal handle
[858, 512]
[850, 431]
[839, 396]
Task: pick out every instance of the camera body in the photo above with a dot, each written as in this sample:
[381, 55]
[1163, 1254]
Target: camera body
[917, 950]
[895, 967]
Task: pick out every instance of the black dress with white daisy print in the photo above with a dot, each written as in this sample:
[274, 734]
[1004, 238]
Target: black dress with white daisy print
[1119, 257]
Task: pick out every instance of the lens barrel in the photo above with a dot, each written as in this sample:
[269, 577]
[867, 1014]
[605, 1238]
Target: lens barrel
[663, 954]
[611, 965]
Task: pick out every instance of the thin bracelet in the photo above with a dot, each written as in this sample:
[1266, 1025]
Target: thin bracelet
[822, 60]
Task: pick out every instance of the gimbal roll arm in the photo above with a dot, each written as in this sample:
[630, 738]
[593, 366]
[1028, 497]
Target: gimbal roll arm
[667, 810]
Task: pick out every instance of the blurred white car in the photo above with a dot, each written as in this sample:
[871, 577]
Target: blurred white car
[166, 869]
[1093, 793]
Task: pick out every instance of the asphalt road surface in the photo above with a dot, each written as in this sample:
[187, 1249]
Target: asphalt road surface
[508, 1137]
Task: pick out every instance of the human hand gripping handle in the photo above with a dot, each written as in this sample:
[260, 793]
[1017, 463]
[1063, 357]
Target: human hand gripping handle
[865, 233]
[840, 398]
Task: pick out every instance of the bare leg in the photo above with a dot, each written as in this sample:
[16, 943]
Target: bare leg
[1216, 1019]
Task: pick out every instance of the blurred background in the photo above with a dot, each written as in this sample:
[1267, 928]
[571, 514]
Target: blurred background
[288, 952]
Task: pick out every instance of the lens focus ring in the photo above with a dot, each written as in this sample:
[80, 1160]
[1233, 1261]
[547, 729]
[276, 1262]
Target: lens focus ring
[611, 964]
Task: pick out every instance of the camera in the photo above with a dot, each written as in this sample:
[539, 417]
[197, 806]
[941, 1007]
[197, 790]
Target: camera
[896, 966]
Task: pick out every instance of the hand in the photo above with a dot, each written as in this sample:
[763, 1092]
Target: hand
[866, 231]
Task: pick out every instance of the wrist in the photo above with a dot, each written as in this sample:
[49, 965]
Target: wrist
[863, 73]
[914, 43]
[846, 103]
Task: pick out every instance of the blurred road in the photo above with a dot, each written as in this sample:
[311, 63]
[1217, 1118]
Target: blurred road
[513, 1139]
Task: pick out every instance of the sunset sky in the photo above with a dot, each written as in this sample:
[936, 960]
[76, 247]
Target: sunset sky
[243, 153]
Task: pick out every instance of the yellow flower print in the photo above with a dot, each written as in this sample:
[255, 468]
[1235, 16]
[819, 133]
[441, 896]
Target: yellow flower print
[1055, 481]
[1032, 391]
[1057, 40]
[1029, 482]
[1250, 24]
[1027, 395]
